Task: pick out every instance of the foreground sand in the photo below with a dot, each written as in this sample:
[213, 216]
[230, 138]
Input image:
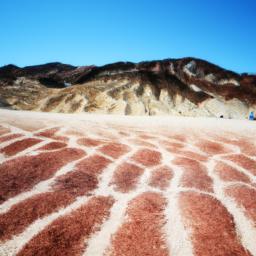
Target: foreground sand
[115, 185]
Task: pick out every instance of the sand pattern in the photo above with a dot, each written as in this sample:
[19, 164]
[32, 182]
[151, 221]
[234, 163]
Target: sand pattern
[116, 189]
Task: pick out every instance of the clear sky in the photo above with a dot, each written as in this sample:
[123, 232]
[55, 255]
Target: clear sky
[85, 32]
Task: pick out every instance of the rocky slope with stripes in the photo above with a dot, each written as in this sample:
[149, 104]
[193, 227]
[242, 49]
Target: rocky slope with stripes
[108, 185]
[180, 87]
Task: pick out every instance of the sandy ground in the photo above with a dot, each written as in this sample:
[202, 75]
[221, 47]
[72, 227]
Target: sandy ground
[83, 184]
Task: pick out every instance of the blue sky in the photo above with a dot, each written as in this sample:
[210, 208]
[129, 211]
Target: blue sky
[85, 32]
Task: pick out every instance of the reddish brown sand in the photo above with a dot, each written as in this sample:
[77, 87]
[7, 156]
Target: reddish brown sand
[172, 147]
[128, 191]
[21, 215]
[147, 157]
[88, 142]
[178, 137]
[67, 235]
[114, 150]
[126, 177]
[51, 133]
[246, 198]
[244, 161]
[66, 189]
[245, 145]
[9, 137]
[19, 146]
[48, 133]
[193, 155]
[212, 147]
[21, 174]
[212, 227]
[161, 177]
[93, 165]
[229, 173]
[53, 145]
[141, 235]
[195, 174]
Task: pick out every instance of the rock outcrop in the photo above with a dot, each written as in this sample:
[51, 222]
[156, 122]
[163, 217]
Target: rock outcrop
[186, 87]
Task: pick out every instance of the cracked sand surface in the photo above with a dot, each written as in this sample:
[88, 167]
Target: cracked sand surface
[97, 185]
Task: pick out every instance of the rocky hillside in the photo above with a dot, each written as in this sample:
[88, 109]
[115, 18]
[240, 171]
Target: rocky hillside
[187, 87]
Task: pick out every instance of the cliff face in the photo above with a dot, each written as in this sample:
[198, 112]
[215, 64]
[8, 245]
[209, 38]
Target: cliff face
[187, 87]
